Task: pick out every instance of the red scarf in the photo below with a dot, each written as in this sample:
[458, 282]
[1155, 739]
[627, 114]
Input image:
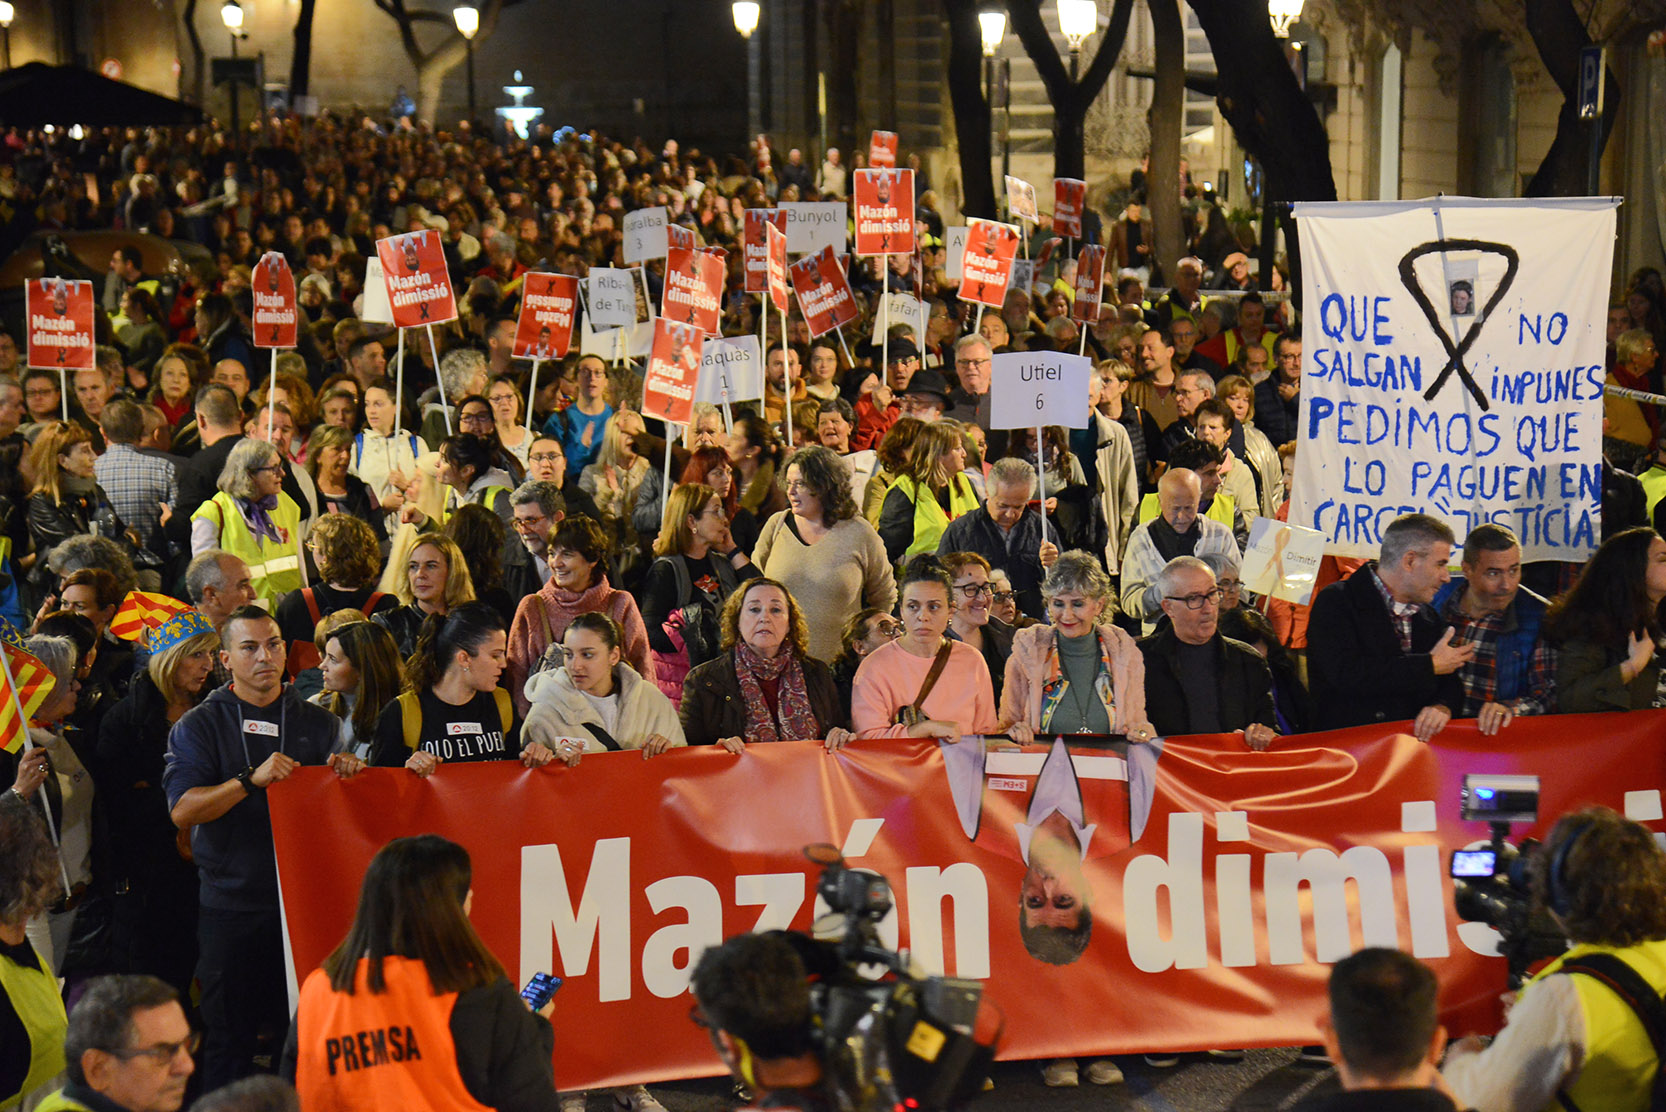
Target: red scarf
[794, 720]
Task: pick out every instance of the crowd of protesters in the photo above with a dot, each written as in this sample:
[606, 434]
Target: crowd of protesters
[382, 536]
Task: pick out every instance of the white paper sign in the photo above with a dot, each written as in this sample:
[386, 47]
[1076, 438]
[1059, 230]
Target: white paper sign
[954, 251]
[1030, 388]
[812, 225]
[1282, 560]
[377, 308]
[639, 341]
[733, 363]
[612, 297]
[1021, 199]
[905, 309]
[1023, 275]
[645, 236]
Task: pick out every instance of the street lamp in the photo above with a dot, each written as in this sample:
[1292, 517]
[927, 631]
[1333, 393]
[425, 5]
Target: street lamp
[1077, 20]
[1283, 13]
[467, 18]
[6, 14]
[231, 14]
[993, 26]
[746, 14]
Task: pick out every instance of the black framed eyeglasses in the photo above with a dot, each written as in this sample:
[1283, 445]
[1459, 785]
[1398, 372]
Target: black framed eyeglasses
[973, 590]
[1005, 596]
[1197, 601]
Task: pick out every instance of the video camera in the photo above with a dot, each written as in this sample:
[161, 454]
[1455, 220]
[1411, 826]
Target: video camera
[887, 1039]
[1491, 885]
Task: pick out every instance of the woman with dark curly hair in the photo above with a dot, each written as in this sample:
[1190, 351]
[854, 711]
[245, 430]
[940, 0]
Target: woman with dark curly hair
[823, 550]
[1607, 629]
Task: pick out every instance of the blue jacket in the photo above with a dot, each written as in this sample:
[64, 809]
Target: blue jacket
[1515, 641]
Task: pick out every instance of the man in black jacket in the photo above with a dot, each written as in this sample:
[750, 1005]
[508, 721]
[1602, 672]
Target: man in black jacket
[1377, 650]
[1196, 681]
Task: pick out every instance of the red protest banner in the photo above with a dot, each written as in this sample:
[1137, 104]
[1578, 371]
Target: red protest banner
[987, 264]
[1221, 882]
[775, 262]
[60, 324]
[884, 212]
[882, 150]
[693, 288]
[419, 287]
[276, 315]
[544, 329]
[1090, 284]
[678, 236]
[673, 370]
[1069, 198]
[823, 291]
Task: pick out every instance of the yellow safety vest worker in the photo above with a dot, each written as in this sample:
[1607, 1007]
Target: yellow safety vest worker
[1220, 509]
[1618, 1074]
[274, 566]
[34, 996]
[929, 518]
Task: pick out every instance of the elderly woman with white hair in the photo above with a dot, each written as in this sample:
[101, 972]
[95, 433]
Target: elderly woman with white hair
[253, 519]
[462, 372]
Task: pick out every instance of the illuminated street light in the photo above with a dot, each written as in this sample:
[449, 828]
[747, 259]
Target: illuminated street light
[993, 26]
[746, 14]
[1283, 13]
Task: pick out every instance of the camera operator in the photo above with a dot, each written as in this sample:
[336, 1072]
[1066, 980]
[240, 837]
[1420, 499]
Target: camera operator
[754, 995]
[1572, 1041]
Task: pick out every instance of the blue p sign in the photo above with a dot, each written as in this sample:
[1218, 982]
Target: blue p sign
[1590, 82]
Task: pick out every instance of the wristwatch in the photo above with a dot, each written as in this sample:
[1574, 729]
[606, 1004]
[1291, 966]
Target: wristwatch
[247, 779]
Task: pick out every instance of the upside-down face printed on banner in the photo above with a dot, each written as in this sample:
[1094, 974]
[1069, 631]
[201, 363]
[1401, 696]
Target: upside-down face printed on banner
[1453, 364]
[545, 328]
[60, 324]
[756, 245]
[678, 236]
[823, 292]
[884, 212]
[1090, 284]
[419, 286]
[882, 151]
[775, 261]
[987, 262]
[673, 367]
[694, 288]
[1069, 198]
[276, 315]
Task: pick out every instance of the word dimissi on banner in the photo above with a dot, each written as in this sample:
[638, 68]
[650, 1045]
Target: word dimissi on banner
[1453, 364]
[884, 212]
[693, 288]
[419, 286]
[60, 335]
[823, 291]
[673, 367]
[756, 247]
[276, 317]
[987, 262]
[544, 329]
[1090, 284]
[1069, 198]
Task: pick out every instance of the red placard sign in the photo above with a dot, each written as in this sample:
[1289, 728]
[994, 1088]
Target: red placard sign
[545, 328]
[884, 212]
[1090, 284]
[823, 291]
[693, 288]
[60, 324]
[678, 236]
[990, 248]
[1069, 197]
[276, 316]
[673, 370]
[419, 287]
[775, 239]
[882, 150]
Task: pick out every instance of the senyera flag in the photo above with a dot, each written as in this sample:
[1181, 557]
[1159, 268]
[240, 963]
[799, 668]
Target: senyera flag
[673, 370]
[990, 248]
[823, 291]
[884, 212]
[1090, 284]
[34, 684]
[756, 245]
[419, 286]
[60, 324]
[775, 238]
[544, 329]
[1069, 198]
[142, 610]
[694, 288]
[882, 150]
[276, 315]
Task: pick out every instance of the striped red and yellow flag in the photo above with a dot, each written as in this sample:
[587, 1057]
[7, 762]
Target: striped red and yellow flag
[141, 611]
[34, 684]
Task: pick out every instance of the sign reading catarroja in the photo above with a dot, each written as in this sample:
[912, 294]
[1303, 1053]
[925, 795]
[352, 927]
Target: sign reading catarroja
[1453, 364]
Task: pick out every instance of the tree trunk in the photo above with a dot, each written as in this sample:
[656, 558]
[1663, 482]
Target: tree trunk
[971, 109]
[300, 68]
[199, 68]
[1070, 99]
[1559, 35]
[1162, 179]
[432, 66]
[844, 33]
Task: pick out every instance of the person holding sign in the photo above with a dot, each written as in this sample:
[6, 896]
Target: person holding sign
[931, 492]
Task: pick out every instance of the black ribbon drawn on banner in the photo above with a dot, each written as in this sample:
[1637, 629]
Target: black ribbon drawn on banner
[1456, 352]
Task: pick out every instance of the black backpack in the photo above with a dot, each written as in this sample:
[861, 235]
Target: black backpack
[1637, 994]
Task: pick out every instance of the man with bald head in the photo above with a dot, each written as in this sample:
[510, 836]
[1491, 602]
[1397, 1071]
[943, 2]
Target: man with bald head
[1177, 530]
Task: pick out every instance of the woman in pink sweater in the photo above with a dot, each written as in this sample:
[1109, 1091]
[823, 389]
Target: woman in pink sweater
[577, 585]
[888, 684]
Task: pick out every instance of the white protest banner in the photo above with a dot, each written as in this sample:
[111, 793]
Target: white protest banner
[645, 235]
[1454, 365]
[812, 225]
[1282, 561]
[377, 309]
[1023, 275]
[612, 297]
[1031, 388]
[1021, 200]
[733, 364]
[954, 251]
[639, 340]
[904, 310]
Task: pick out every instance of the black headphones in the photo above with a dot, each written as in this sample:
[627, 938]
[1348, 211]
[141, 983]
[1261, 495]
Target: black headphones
[1557, 896]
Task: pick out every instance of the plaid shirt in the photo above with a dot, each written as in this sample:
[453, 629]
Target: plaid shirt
[1480, 675]
[1401, 613]
[137, 485]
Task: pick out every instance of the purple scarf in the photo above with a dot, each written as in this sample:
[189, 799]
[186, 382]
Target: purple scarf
[257, 515]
